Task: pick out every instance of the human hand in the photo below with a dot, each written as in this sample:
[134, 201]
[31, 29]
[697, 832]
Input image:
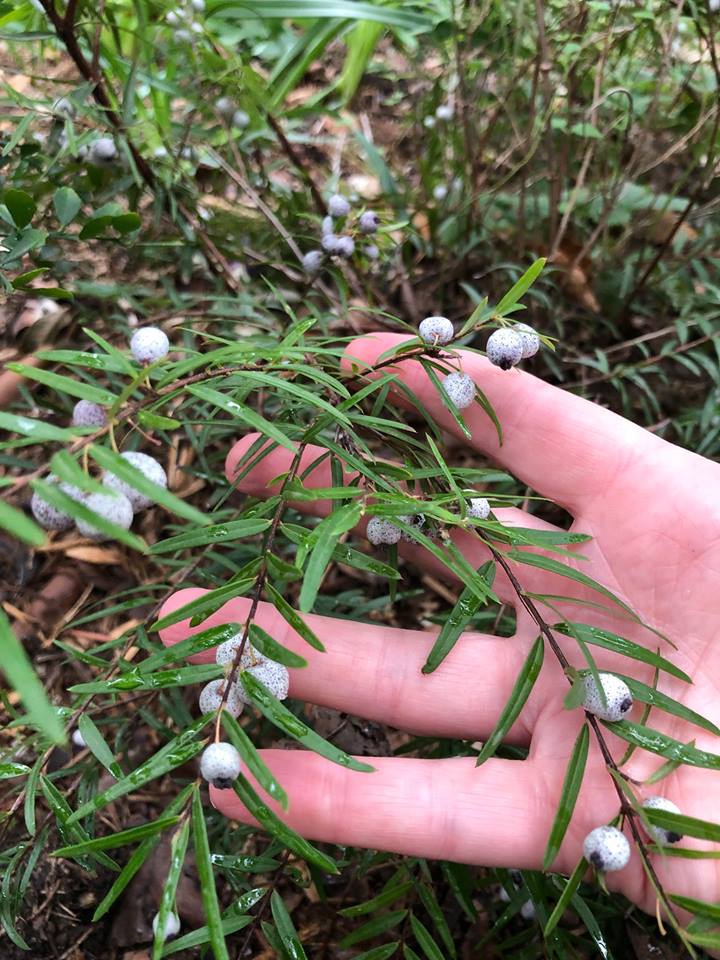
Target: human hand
[652, 510]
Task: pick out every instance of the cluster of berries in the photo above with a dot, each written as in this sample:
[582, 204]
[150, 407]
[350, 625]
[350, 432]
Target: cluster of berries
[122, 501]
[270, 673]
[183, 20]
[382, 531]
[231, 113]
[444, 112]
[341, 245]
[607, 848]
[505, 348]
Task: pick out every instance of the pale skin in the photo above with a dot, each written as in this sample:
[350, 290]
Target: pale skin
[654, 514]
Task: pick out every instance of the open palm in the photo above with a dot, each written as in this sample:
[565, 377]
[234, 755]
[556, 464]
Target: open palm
[654, 514]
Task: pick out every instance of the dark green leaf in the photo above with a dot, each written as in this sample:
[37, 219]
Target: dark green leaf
[206, 604]
[21, 205]
[568, 797]
[565, 897]
[520, 287]
[161, 680]
[208, 893]
[325, 537]
[373, 928]
[252, 759]
[64, 385]
[113, 840]
[212, 637]
[285, 928]
[97, 746]
[202, 935]
[266, 644]
[279, 714]
[518, 697]
[663, 745]
[9, 770]
[456, 622]
[682, 824]
[425, 941]
[178, 849]
[383, 899]
[17, 667]
[294, 619]
[67, 205]
[267, 819]
[647, 694]
[20, 526]
[611, 641]
[217, 533]
[243, 413]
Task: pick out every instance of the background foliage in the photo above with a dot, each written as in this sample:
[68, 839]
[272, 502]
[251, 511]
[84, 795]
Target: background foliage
[585, 133]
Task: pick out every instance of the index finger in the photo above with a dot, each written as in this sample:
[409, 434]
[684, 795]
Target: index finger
[563, 446]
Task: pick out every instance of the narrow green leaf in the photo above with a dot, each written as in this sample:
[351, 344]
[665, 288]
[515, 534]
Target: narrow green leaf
[611, 641]
[30, 795]
[325, 536]
[279, 714]
[266, 644]
[10, 770]
[172, 755]
[64, 385]
[65, 467]
[294, 619]
[267, 819]
[208, 892]
[71, 831]
[202, 935]
[437, 915]
[136, 479]
[568, 796]
[19, 670]
[520, 287]
[682, 824]
[285, 928]
[647, 694]
[243, 413]
[37, 429]
[373, 928]
[178, 849]
[424, 939]
[383, 899]
[252, 759]
[566, 896]
[160, 680]
[97, 746]
[212, 637]
[518, 697]
[379, 953]
[140, 856]
[456, 622]
[217, 533]
[20, 526]
[113, 840]
[663, 745]
[206, 604]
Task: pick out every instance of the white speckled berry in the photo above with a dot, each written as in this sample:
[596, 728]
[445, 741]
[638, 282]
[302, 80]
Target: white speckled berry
[240, 119]
[78, 739]
[50, 517]
[64, 108]
[504, 348]
[478, 508]
[172, 925]
[379, 530]
[326, 226]
[312, 261]
[225, 653]
[329, 242]
[102, 151]
[149, 344]
[444, 112]
[338, 206]
[413, 520]
[87, 414]
[527, 910]
[182, 36]
[660, 834]
[198, 5]
[149, 467]
[174, 18]
[617, 694]
[220, 765]
[114, 507]
[371, 251]
[440, 191]
[460, 388]
[345, 246]
[211, 697]
[273, 675]
[429, 122]
[369, 222]
[225, 107]
[606, 849]
[531, 341]
[436, 331]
